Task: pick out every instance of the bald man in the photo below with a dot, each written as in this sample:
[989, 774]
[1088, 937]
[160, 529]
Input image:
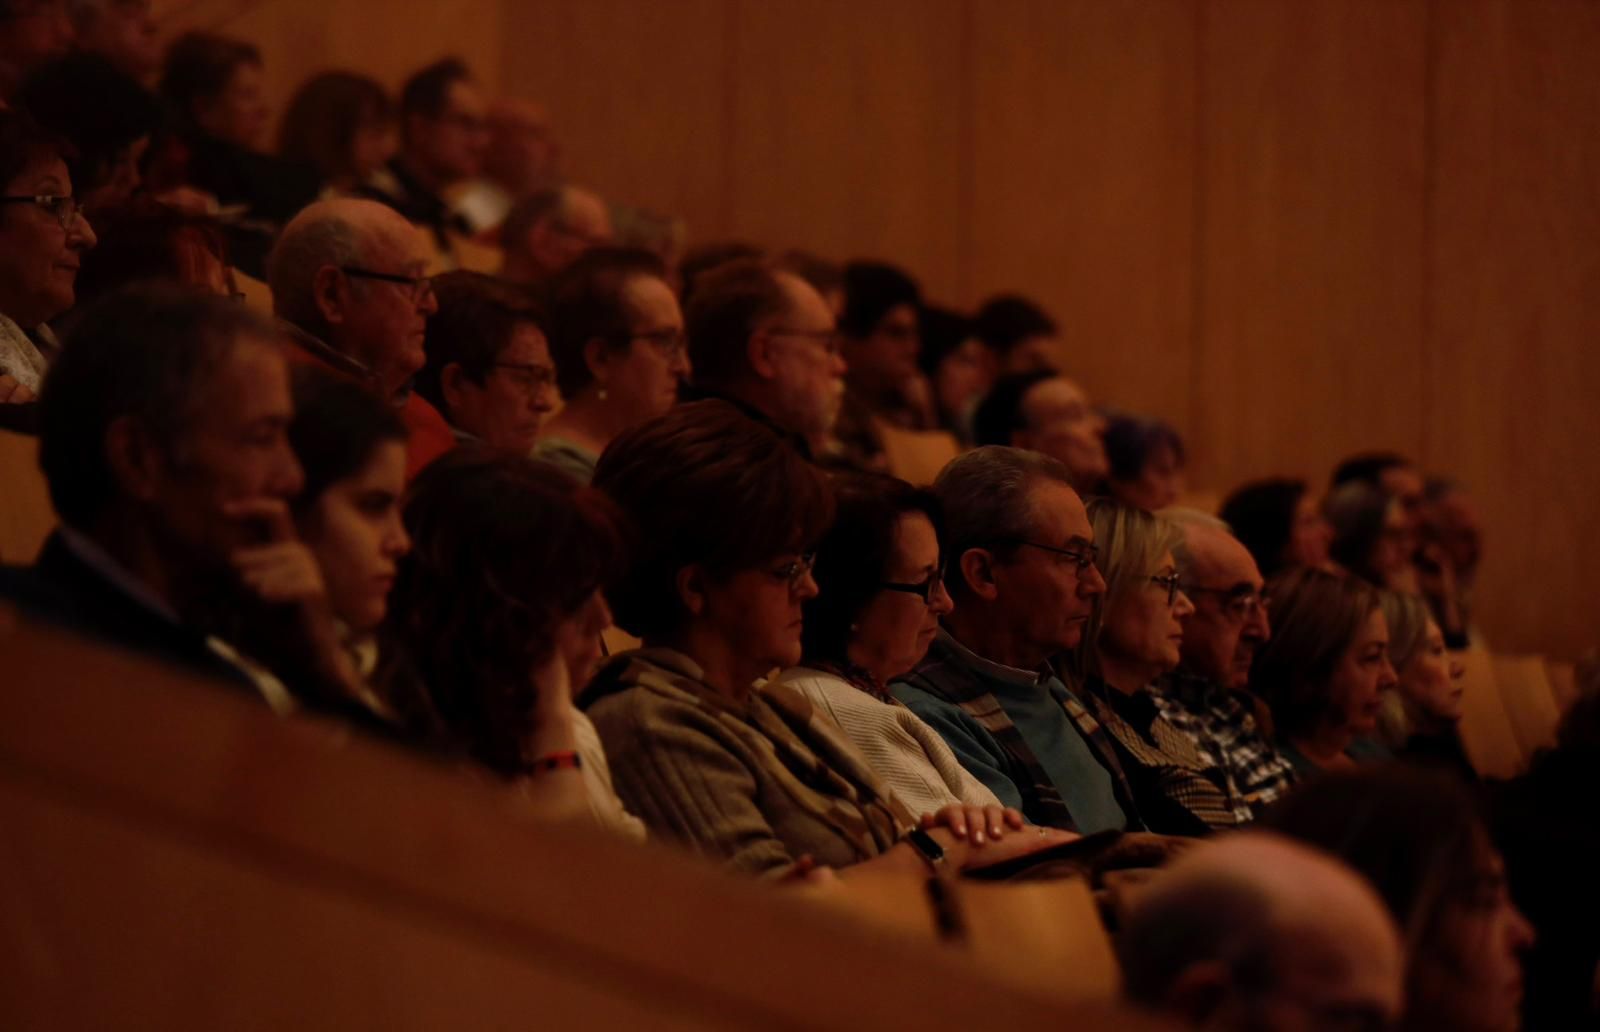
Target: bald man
[1256, 932]
[1208, 696]
[348, 276]
[549, 231]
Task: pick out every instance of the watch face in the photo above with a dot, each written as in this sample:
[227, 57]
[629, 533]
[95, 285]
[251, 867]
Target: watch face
[927, 845]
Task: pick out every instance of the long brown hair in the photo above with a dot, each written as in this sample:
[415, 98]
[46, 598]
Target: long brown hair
[1316, 616]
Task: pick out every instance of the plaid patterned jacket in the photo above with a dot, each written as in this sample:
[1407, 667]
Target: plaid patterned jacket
[1224, 732]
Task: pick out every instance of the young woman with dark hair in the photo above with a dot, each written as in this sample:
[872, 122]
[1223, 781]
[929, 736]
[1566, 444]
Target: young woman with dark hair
[1281, 524]
[728, 515]
[880, 572]
[1145, 460]
[496, 617]
[1418, 838]
[343, 125]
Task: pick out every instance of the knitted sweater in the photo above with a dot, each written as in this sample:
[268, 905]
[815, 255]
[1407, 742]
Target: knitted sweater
[908, 754]
[757, 782]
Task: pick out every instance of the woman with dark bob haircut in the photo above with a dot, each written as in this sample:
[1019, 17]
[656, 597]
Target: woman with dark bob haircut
[727, 513]
[1418, 838]
[1281, 524]
[1325, 669]
[497, 615]
[880, 570]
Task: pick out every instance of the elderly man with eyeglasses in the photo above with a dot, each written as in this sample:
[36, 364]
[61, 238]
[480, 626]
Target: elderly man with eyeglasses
[1020, 569]
[1208, 696]
[347, 277]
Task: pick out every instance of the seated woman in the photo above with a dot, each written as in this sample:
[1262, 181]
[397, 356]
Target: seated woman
[495, 616]
[352, 452]
[1421, 719]
[881, 583]
[616, 334]
[343, 125]
[1324, 670]
[1132, 639]
[1417, 837]
[1372, 537]
[43, 235]
[727, 514]
[958, 368]
[488, 370]
[1145, 459]
[1281, 524]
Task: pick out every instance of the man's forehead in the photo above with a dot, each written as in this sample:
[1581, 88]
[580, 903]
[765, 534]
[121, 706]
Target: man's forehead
[1220, 558]
[1058, 514]
[805, 304]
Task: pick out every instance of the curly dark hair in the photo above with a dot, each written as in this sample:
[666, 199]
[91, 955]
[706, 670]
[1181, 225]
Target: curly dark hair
[503, 550]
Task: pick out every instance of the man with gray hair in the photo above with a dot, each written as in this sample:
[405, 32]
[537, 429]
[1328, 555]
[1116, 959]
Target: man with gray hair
[1256, 932]
[347, 277]
[1021, 569]
[1207, 697]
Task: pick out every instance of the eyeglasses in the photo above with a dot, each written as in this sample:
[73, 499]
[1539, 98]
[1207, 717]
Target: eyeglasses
[924, 588]
[1170, 582]
[418, 288]
[797, 571]
[1242, 602]
[671, 343]
[1081, 555]
[529, 376]
[64, 209]
[828, 339]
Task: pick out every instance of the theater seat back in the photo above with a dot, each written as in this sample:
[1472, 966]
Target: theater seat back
[26, 516]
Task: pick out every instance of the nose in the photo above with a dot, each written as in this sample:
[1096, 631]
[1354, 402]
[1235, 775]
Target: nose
[839, 366]
[1091, 583]
[940, 601]
[1387, 678]
[541, 401]
[1182, 606]
[1458, 670]
[680, 363]
[287, 479]
[428, 303]
[807, 588]
[80, 235]
[1259, 625]
[396, 541]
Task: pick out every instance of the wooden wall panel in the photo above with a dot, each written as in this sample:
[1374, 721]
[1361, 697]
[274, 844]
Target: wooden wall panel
[1515, 305]
[1083, 185]
[1311, 241]
[845, 131]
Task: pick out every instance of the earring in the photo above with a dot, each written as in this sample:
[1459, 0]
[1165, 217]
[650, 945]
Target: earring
[601, 394]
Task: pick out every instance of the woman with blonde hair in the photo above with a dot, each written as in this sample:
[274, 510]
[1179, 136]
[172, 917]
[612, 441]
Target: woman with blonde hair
[1133, 638]
[1420, 719]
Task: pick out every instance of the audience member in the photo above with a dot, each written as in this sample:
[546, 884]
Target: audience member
[1417, 837]
[703, 258]
[496, 618]
[764, 340]
[1021, 573]
[343, 125]
[122, 31]
[959, 369]
[617, 338]
[1391, 473]
[1324, 670]
[880, 338]
[881, 593]
[347, 276]
[1145, 461]
[1280, 522]
[1255, 932]
[163, 438]
[1208, 696]
[549, 230]
[522, 158]
[43, 236]
[32, 32]
[825, 277]
[1452, 544]
[756, 778]
[1132, 639]
[106, 117]
[489, 371]
[1371, 537]
[1045, 412]
[1022, 338]
[1420, 719]
[443, 135]
[352, 452]
[150, 241]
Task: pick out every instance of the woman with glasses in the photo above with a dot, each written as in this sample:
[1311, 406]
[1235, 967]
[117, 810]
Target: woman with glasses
[488, 370]
[880, 572]
[43, 236]
[727, 513]
[1132, 639]
[1325, 670]
[616, 334]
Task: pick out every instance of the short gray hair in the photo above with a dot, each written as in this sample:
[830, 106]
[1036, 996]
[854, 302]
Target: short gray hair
[1185, 518]
[315, 239]
[986, 495]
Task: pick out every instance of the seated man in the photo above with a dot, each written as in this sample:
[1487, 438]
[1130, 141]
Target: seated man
[522, 157]
[1256, 932]
[1045, 412]
[1208, 697]
[1021, 571]
[763, 339]
[880, 329]
[163, 438]
[347, 276]
[547, 231]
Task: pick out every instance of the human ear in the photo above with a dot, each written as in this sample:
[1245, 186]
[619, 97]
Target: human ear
[691, 585]
[137, 461]
[330, 293]
[978, 573]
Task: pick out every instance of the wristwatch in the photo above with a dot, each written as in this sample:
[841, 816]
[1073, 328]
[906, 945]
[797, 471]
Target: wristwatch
[929, 847]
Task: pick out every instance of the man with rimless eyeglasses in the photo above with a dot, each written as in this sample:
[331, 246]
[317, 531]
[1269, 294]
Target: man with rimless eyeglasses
[1208, 697]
